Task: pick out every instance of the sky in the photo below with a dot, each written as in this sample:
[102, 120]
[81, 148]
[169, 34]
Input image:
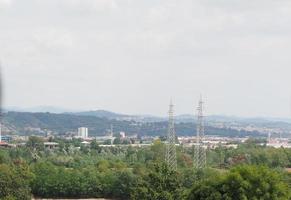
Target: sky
[133, 56]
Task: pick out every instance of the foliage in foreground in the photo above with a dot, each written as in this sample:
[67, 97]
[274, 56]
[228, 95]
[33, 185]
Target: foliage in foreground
[242, 183]
[249, 172]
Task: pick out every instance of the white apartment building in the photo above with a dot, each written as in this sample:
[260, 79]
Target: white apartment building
[83, 132]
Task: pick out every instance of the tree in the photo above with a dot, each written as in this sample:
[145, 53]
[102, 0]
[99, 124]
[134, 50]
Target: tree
[94, 145]
[160, 184]
[35, 142]
[4, 157]
[103, 166]
[107, 142]
[255, 182]
[14, 181]
[124, 184]
[117, 141]
[158, 148]
[242, 183]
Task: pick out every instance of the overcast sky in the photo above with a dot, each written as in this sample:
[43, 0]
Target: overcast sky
[132, 56]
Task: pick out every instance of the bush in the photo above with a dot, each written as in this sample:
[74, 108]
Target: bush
[14, 181]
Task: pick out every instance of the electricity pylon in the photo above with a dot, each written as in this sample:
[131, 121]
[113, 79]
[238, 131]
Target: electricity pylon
[200, 152]
[0, 105]
[171, 158]
[111, 134]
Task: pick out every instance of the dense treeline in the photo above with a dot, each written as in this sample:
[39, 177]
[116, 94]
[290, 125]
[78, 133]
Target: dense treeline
[23, 123]
[248, 172]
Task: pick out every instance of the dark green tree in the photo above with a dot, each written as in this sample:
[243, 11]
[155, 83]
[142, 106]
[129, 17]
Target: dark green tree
[242, 183]
[14, 181]
[160, 184]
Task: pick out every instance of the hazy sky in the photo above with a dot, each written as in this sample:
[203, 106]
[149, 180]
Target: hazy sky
[132, 56]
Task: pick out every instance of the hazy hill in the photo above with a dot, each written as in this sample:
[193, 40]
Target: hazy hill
[151, 118]
[36, 109]
[101, 114]
[25, 123]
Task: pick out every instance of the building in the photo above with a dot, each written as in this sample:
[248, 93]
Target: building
[122, 134]
[6, 138]
[51, 145]
[102, 139]
[85, 143]
[83, 132]
[3, 144]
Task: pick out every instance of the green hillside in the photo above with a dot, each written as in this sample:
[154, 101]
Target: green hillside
[25, 123]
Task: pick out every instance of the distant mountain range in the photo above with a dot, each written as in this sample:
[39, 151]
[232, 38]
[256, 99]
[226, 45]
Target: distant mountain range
[36, 109]
[147, 118]
[102, 114]
[40, 119]
[27, 123]
[95, 113]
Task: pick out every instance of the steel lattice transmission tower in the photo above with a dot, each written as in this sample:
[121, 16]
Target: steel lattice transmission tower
[200, 151]
[0, 104]
[171, 158]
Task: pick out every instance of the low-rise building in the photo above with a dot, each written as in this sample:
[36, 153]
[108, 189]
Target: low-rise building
[3, 144]
[51, 145]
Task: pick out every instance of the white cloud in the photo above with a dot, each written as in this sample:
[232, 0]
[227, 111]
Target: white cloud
[130, 50]
[54, 39]
[5, 3]
[89, 5]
